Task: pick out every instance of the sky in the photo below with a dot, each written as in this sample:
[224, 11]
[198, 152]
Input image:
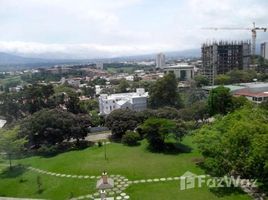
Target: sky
[111, 28]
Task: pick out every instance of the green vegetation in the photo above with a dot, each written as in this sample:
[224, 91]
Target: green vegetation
[159, 132]
[237, 144]
[10, 144]
[241, 76]
[201, 81]
[51, 127]
[133, 163]
[120, 121]
[169, 190]
[131, 138]
[221, 101]
[23, 183]
[10, 81]
[164, 92]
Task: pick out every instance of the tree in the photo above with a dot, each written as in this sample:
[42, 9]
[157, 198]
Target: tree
[164, 92]
[123, 86]
[241, 76]
[222, 79]
[36, 97]
[131, 138]
[197, 111]
[239, 102]
[89, 105]
[120, 121]
[195, 95]
[72, 104]
[157, 131]
[220, 101]
[10, 106]
[236, 144]
[10, 143]
[201, 80]
[51, 127]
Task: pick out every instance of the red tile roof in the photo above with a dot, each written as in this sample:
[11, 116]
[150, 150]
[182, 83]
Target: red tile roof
[246, 92]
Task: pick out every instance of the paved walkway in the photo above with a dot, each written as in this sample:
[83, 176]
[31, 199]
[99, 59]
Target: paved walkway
[98, 136]
[120, 183]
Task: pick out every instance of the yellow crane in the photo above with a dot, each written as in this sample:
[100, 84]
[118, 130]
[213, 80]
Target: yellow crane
[253, 30]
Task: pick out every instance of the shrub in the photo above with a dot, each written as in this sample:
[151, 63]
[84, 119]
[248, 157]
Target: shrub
[131, 138]
[100, 144]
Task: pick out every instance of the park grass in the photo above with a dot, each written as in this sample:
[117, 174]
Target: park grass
[171, 190]
[25, 185]
[134, 163]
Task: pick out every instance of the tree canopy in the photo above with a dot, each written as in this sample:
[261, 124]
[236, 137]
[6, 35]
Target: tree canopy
[219, 100]
[158, 130]
[236, 144]
[10, 143]
[50, 127]
[120, 121]
[164, 92]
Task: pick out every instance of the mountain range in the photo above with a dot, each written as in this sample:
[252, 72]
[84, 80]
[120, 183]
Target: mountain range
[12, 61]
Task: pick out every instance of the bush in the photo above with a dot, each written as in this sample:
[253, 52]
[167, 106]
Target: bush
[131, 138]
[100, 144]
[45, 150]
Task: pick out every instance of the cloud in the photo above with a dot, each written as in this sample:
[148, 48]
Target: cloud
[101, 28]
[76, 50]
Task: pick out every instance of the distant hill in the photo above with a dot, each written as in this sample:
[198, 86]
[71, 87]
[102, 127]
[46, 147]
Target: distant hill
[15, 62]
[9, 59]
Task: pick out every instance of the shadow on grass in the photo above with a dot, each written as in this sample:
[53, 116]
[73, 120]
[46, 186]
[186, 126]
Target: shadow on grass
[13, 172]
[172, 149]
[226, 191]
[51, 151]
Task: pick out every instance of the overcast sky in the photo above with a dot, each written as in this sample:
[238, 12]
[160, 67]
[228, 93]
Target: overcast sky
[107, 28]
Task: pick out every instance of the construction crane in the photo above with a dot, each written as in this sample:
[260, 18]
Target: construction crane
[253, 30]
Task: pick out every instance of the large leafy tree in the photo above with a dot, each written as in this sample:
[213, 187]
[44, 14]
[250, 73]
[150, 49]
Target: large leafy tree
[222, 79]
[236, 144]
[50, 127]
[201, 81]
[157, 131]
[36, 97]
[164, 92]
[120, 121]
[10, 143]
[220, 100]
[10, 106]
[123, 86]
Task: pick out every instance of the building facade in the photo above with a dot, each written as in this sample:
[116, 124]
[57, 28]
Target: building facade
[221, 57]
[160, 61]
[264, 50]
[134, 101]
[183, 72]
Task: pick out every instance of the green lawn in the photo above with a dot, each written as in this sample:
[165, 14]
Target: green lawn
[171, 190]
[132, 162]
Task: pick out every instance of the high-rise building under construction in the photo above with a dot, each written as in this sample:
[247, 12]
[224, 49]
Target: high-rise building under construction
[221, 57]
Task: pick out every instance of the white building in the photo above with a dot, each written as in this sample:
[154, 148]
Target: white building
[264, 50]
[135, 101]
[98, 89]
[183, 71]
[160, 61]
